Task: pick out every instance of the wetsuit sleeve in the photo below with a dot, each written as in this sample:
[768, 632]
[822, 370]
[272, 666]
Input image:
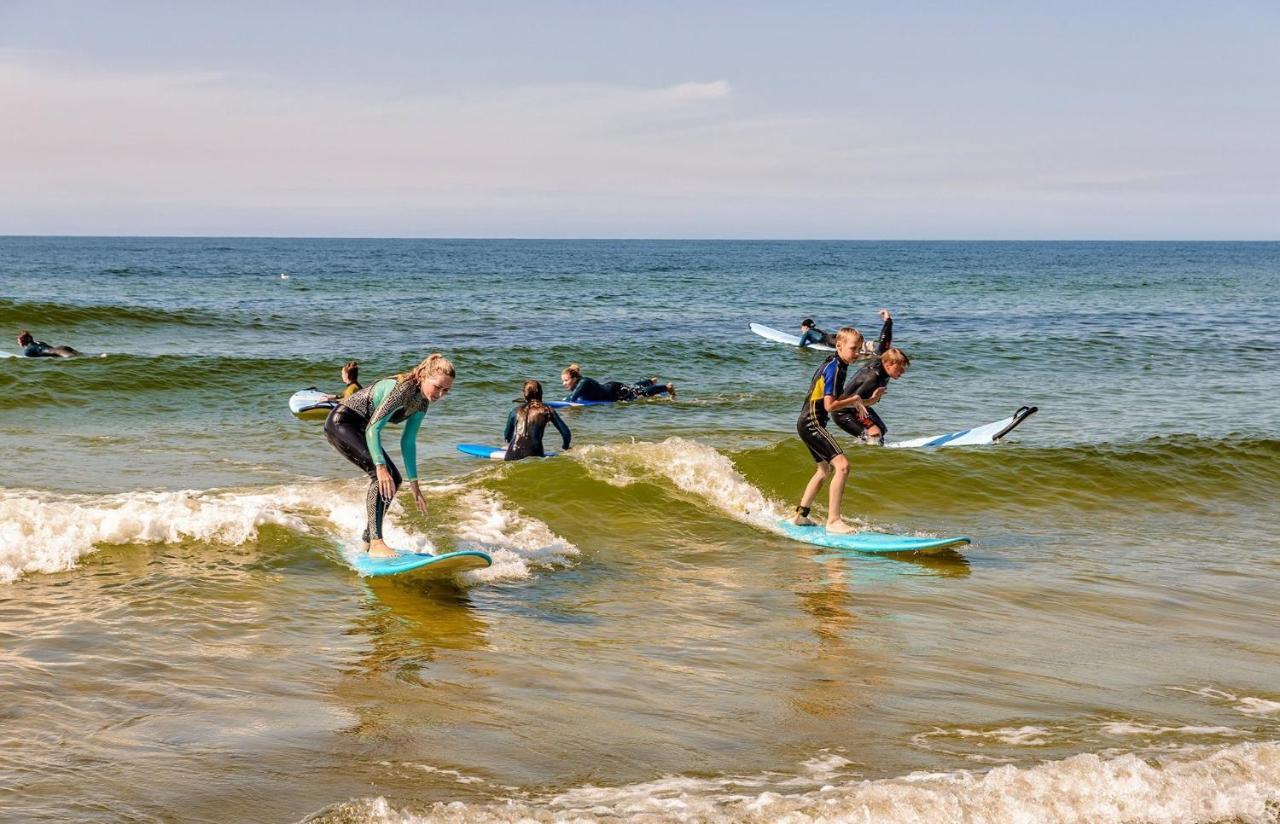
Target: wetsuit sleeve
[886, 337]
[383, 403]
[863, 384]
[829, 378]
[511, 426]
[810, 337]
[561, 427]
[409, 445]
[573, 396]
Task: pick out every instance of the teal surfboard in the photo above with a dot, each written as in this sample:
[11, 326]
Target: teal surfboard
[876, 542]
[437, 565]
[491, 453]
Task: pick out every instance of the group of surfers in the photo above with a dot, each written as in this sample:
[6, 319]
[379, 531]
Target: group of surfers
[354, 426]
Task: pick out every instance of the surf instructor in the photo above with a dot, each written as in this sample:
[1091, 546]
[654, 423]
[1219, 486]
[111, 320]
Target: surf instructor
[355, 425]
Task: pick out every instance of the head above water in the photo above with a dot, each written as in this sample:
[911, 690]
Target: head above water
[434, 376]
[848, 343]
[351, 372]
[806, 324]
[895, 362]
[532, 391]
[571, 375]
[25, 337]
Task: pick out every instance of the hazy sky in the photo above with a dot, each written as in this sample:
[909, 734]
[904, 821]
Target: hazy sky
[997, 120]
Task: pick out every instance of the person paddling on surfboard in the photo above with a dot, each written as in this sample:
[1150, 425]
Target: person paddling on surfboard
[32, 348]
[819, 404]
[582, 388]
[870, 383]
[351, 377]
[354, 427]
[526, 423]
[810, 334]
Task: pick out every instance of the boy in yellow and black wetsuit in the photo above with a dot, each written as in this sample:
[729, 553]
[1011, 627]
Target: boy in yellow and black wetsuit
[822, 400]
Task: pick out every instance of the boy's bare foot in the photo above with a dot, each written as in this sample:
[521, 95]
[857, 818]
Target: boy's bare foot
[379, 549]
[803, 520]
[840, 528]
[671, 390]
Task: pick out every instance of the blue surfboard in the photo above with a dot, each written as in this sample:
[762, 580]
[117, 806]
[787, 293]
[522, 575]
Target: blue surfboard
[492, 453]
[875, 542]
[437, 565]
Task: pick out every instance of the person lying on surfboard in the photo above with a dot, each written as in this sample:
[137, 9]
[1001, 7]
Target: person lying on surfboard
[869, 384]
[810, 334]
[354, 428]
[819, 404]
[32, 348]
[582, 388]
[525, 424]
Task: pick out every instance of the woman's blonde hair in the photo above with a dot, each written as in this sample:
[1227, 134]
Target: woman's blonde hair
[433, 364]
[573, 369]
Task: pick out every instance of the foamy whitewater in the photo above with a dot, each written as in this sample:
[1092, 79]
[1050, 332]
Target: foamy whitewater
[183, 637]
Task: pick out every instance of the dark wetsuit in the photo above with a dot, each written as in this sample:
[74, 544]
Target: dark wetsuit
[354, 427]
[816, 335]
[523, 436]
[812, 424]
[40, 349]
[863, 383]
[590, 389]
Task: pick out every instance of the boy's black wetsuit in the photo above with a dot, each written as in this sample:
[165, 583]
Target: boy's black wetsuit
[524, 437]
[863, 383]
[812, 424]
[590, 389]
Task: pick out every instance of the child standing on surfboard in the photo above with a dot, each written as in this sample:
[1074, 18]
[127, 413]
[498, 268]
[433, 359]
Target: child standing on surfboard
[819, 404]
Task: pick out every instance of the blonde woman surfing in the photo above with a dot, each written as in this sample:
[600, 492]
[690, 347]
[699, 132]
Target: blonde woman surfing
[355, 425]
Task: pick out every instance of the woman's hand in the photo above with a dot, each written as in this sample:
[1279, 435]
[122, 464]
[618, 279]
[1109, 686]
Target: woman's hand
[386, 486]
[420, 501]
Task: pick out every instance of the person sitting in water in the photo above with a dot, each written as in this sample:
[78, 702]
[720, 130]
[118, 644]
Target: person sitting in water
[32, 348]
[351, 377]
[810, 334]
[846, 419]
[523, 436]
[582, 388]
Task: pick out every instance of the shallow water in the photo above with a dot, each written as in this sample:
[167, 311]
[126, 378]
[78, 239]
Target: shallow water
[181, 638]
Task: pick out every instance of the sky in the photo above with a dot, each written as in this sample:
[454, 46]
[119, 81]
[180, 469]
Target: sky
[858, 120]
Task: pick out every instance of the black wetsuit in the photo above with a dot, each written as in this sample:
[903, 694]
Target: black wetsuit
[863, 383]
[524, 436]
[589, 389]
[354, 427]
[812, 424]
[40, 349]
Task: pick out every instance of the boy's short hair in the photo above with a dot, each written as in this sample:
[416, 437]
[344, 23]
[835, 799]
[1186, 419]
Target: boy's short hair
[894, 355]
[807, 322]
[849, 333]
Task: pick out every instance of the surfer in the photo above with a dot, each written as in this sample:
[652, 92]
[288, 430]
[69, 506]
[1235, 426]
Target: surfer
[582, 388]
[819, 404]
[32, 348]
[354, 428]
[350, 377]
[869, 384]
[527, 422]
[810, 334]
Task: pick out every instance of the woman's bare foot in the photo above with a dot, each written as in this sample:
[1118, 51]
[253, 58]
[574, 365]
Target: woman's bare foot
[671, 390]
[839, 528]
[379, 549]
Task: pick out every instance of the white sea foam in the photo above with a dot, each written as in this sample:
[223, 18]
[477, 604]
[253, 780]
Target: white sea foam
[692, 467]
[1236, 783]
[1151, 730]
[517, 543]
[1246, 704]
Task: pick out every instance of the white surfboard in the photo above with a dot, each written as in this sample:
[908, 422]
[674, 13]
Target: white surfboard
[977, 436]
[769, 333]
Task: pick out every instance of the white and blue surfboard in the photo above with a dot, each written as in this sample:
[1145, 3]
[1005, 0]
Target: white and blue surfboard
[310, 404]
[878, 543]
[977, 436]
[449, 563]
[491, 453]
[769, 333]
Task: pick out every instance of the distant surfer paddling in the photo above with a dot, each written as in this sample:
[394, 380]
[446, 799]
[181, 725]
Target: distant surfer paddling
[582, 388]
[810, 334]
[821, 401]
[527, 422]
[32, 348]
[355, 427]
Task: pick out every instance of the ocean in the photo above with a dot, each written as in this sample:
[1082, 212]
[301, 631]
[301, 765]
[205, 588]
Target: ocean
[181, 638]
